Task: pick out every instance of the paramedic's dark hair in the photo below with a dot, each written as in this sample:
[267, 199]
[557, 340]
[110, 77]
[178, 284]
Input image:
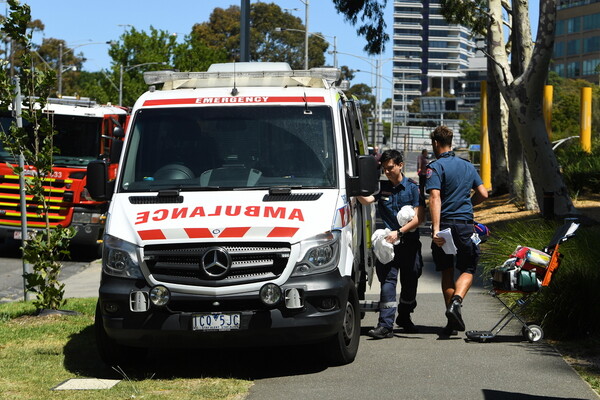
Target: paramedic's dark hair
[394, 155]
[443, 135]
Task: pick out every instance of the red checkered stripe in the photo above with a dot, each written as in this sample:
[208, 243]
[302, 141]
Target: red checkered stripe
[343, 216]
[206, 233]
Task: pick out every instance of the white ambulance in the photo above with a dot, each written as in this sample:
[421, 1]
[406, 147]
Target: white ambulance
[232, 219]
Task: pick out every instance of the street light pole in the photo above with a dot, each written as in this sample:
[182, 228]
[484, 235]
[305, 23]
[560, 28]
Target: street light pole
[442, 91]
[60, 57]
[61, 53]
[306, 33]
[306, 4]
[120, 84]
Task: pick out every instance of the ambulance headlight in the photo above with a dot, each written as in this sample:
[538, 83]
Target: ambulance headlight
[120, 258]
[318, 254]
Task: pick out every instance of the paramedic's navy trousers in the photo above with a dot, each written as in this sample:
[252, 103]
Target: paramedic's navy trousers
[407, 263]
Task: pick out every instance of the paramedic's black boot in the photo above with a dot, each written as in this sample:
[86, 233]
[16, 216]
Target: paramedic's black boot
[404, 322]
[381, 333]
[449, 331]
[454, 315]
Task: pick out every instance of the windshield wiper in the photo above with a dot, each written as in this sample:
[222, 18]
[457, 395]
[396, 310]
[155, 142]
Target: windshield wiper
[252, 188]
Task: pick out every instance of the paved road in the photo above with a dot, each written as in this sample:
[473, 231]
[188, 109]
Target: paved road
[11, 269]
[429, 366]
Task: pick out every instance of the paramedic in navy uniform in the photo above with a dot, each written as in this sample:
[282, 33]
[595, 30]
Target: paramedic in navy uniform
[450, 180]
[395, 193]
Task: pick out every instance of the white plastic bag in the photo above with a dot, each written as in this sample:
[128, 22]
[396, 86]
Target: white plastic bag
[405, 215]
[384, 251]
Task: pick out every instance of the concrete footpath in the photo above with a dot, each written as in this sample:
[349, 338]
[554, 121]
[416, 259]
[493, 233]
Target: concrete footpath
[413, 366]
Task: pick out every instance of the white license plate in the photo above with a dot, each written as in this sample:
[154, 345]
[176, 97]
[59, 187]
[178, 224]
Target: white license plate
[216, 322]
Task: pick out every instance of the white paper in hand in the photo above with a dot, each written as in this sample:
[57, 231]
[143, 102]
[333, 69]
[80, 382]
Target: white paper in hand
[448, 247]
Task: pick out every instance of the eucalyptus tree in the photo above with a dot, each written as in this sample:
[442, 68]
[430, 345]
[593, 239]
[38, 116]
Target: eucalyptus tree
[275, 35]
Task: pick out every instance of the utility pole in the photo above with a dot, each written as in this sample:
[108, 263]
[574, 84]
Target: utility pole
[22, 189]
[306, 4]
[443, 104]
[60, 68]
[245, 31]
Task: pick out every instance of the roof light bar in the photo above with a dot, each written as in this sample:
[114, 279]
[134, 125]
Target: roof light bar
[316, 77]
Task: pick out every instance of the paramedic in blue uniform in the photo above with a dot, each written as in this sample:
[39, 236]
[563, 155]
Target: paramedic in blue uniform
[450, 180]
[395, 193]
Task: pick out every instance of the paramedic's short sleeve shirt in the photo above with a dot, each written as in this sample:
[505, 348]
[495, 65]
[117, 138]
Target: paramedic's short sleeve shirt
[455, 178]
[391, 199]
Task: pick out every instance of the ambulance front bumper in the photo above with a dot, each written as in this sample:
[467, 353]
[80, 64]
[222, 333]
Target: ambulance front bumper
[242, 319]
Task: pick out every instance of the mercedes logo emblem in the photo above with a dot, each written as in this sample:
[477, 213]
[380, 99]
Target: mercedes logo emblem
[216, 262]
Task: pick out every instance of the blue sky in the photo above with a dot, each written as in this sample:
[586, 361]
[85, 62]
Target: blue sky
[83, 21]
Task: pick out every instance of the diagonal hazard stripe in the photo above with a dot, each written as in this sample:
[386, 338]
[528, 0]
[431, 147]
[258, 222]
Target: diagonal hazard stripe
[198, 233]
[283, 232]
[234, 232]
[152, 234]
[206, 233]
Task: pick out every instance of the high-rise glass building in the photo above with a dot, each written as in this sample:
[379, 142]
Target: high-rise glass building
[428, 52]
[577, 43]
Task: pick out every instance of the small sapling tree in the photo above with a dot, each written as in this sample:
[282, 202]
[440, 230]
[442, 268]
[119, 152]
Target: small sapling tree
[46, 247]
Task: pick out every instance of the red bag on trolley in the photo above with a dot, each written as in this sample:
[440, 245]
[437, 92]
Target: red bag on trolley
[530, 259]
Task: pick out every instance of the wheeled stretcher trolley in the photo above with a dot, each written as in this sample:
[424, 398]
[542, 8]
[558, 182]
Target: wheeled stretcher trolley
[527, 272]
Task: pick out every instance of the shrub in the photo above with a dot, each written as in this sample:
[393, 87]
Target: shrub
[581, 171]
[569, 306]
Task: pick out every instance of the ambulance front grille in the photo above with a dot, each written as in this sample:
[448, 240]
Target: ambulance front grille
[250, 262]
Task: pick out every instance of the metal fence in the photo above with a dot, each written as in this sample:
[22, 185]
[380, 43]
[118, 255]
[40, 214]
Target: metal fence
[416, 138]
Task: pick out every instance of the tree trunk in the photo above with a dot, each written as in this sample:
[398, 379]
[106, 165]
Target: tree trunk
[543, 166]
[523, 94]
[515, 163]
[529, 190]
[497, 113]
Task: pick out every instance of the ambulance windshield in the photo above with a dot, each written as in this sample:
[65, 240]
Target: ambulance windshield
[221, 148]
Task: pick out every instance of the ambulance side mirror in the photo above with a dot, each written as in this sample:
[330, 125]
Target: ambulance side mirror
[367, 181]
[117, 144]
[97, 182]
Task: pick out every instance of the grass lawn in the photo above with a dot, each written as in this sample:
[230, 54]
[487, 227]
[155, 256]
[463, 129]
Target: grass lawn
[37, 353]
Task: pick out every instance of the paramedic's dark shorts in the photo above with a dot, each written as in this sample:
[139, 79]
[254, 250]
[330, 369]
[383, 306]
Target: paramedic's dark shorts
[467, 254]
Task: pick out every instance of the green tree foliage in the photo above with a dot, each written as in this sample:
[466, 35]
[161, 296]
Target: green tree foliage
[95, 85]
[365, 96]
[473, 14]
[222, 31]
[347, 73]
[566, 106]
[470, 128]
[154, 49]
[46, 247]
[195, 55]
[581, 170]
[371, 15]
[48, 55]
[16, 49]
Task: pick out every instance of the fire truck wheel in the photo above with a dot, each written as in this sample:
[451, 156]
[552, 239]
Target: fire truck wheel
[342, 347]
[112, 353]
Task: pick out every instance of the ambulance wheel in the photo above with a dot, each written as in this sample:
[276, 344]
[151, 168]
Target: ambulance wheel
[342, 347]
[112, 353]
[534, 333]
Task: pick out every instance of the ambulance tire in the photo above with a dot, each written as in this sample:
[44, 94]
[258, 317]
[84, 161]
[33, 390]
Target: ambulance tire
[112, 353]
[342, 347]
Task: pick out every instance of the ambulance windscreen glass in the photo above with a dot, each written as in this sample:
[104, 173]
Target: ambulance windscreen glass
[222, 148]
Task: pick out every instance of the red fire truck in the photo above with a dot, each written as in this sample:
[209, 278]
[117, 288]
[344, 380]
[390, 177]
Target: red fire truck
[86, 131]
